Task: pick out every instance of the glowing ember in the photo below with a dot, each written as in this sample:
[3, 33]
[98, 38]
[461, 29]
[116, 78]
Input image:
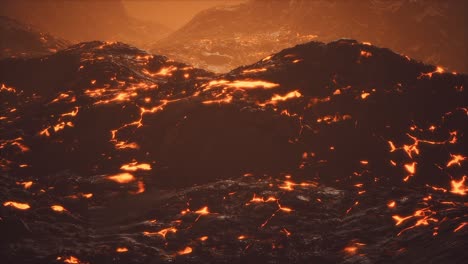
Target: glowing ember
[399, 220]
[411, 168]
[26, 185]
[87, 195]
[17, 205]
[456, 160]
[366, 54]
[134, 166]
[122, 177]
[141, 188]
[352, 250]
[279, 98]
[256, 199]
[364, 95]
[203, 211]
[458, 187]
[225, 100]
[460, 227]
[391, 204]
[185, 251]
[162, 232]
[333, 119]
[121, 249]
[71, 260]
[57, 208]
[203, 238]
[438, 70]
[246, 84]
[254, 70]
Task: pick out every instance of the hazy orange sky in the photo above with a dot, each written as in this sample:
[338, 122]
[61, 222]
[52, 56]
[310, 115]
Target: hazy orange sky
[172, 13]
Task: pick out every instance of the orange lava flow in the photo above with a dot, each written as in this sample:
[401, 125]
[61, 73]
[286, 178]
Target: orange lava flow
[203, 211]
[17, 205]
[122, 177]
[57, 208]
[241, 84]
[185, 251]
[162, 232]
[460, 226]
[121, 249]
[281, 98]
[26, 185]
[134, 166]
[458, 187]
[456, 160]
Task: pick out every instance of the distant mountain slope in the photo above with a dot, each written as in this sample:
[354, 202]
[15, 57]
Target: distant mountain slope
[19, 40]
[84, 20]
[331, 153]
[226, 37]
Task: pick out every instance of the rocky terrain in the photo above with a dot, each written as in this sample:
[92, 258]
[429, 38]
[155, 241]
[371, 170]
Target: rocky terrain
[19, 40]
[331, 153]
[226, 37]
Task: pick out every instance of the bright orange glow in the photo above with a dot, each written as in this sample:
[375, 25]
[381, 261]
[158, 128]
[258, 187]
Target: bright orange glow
[351, 250]
[162, 232]
[87, 195]
[241, 84]
[134, 166]
[333, 119]
[364, 95]
[72, 260]
[126, 145]
[8, 89]
[121, 249]
[72, 113]
[17, 205]
[241, 237]
[288, 186]
[458, 187]
[256, 199]
[203, 238]
[456, 160]
[165, 71]
[366, 54]
[254, 70]
[141, 188]
[122, 177]
[281, 98]
[225, 100]
[26, 185]
[438, 70]
[460, 227]
[285, 209]
[203, 211]
[185, 251]
[58, 208]
[399, 220]
[391, 204]
[411, 167]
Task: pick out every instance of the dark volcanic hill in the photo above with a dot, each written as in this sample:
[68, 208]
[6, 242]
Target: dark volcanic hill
[79, 21]
[226, 37]
[330, 153]
[19, 40]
